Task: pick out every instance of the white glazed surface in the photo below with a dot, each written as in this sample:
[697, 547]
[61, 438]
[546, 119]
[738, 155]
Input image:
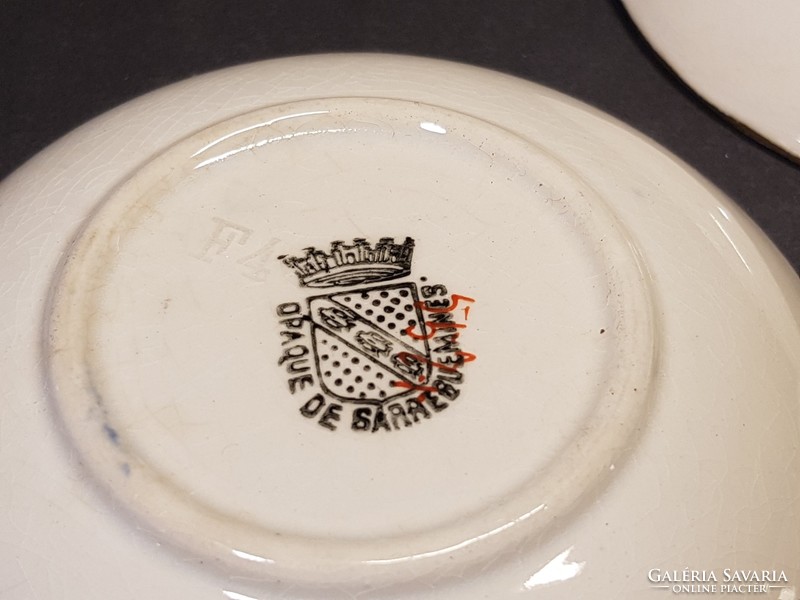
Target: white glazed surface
[740, 56]
[709, 480]
[160, 333]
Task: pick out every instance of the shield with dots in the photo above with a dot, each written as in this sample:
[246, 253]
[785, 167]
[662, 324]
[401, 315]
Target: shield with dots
[370, 344]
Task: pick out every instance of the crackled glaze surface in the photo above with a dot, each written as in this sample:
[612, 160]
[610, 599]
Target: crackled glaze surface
[629, 402]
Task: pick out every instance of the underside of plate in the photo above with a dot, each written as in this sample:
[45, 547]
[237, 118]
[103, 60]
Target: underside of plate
[351, 340]
[381, 327]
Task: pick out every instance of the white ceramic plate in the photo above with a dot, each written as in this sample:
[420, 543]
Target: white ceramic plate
[385, 327]
[740, 56]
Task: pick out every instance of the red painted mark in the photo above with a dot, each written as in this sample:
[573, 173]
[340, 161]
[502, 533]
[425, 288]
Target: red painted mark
[433, 327]
[454, 300]
[414, 387]
[407, 358]
[467, 356]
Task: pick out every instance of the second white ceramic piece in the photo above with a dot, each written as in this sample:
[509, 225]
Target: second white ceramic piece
[740, 56]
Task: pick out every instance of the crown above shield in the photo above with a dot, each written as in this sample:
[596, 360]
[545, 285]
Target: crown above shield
[358, 263]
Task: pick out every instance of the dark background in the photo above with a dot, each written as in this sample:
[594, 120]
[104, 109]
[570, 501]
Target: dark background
[65, 62]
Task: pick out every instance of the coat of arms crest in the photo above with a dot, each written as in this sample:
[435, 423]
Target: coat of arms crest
[371, 337]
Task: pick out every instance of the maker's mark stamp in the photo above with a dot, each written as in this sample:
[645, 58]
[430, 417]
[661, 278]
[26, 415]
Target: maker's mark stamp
[379, 357]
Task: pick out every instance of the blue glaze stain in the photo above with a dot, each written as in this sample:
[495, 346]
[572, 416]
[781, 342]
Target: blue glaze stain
[112, 434]
[126, 468]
